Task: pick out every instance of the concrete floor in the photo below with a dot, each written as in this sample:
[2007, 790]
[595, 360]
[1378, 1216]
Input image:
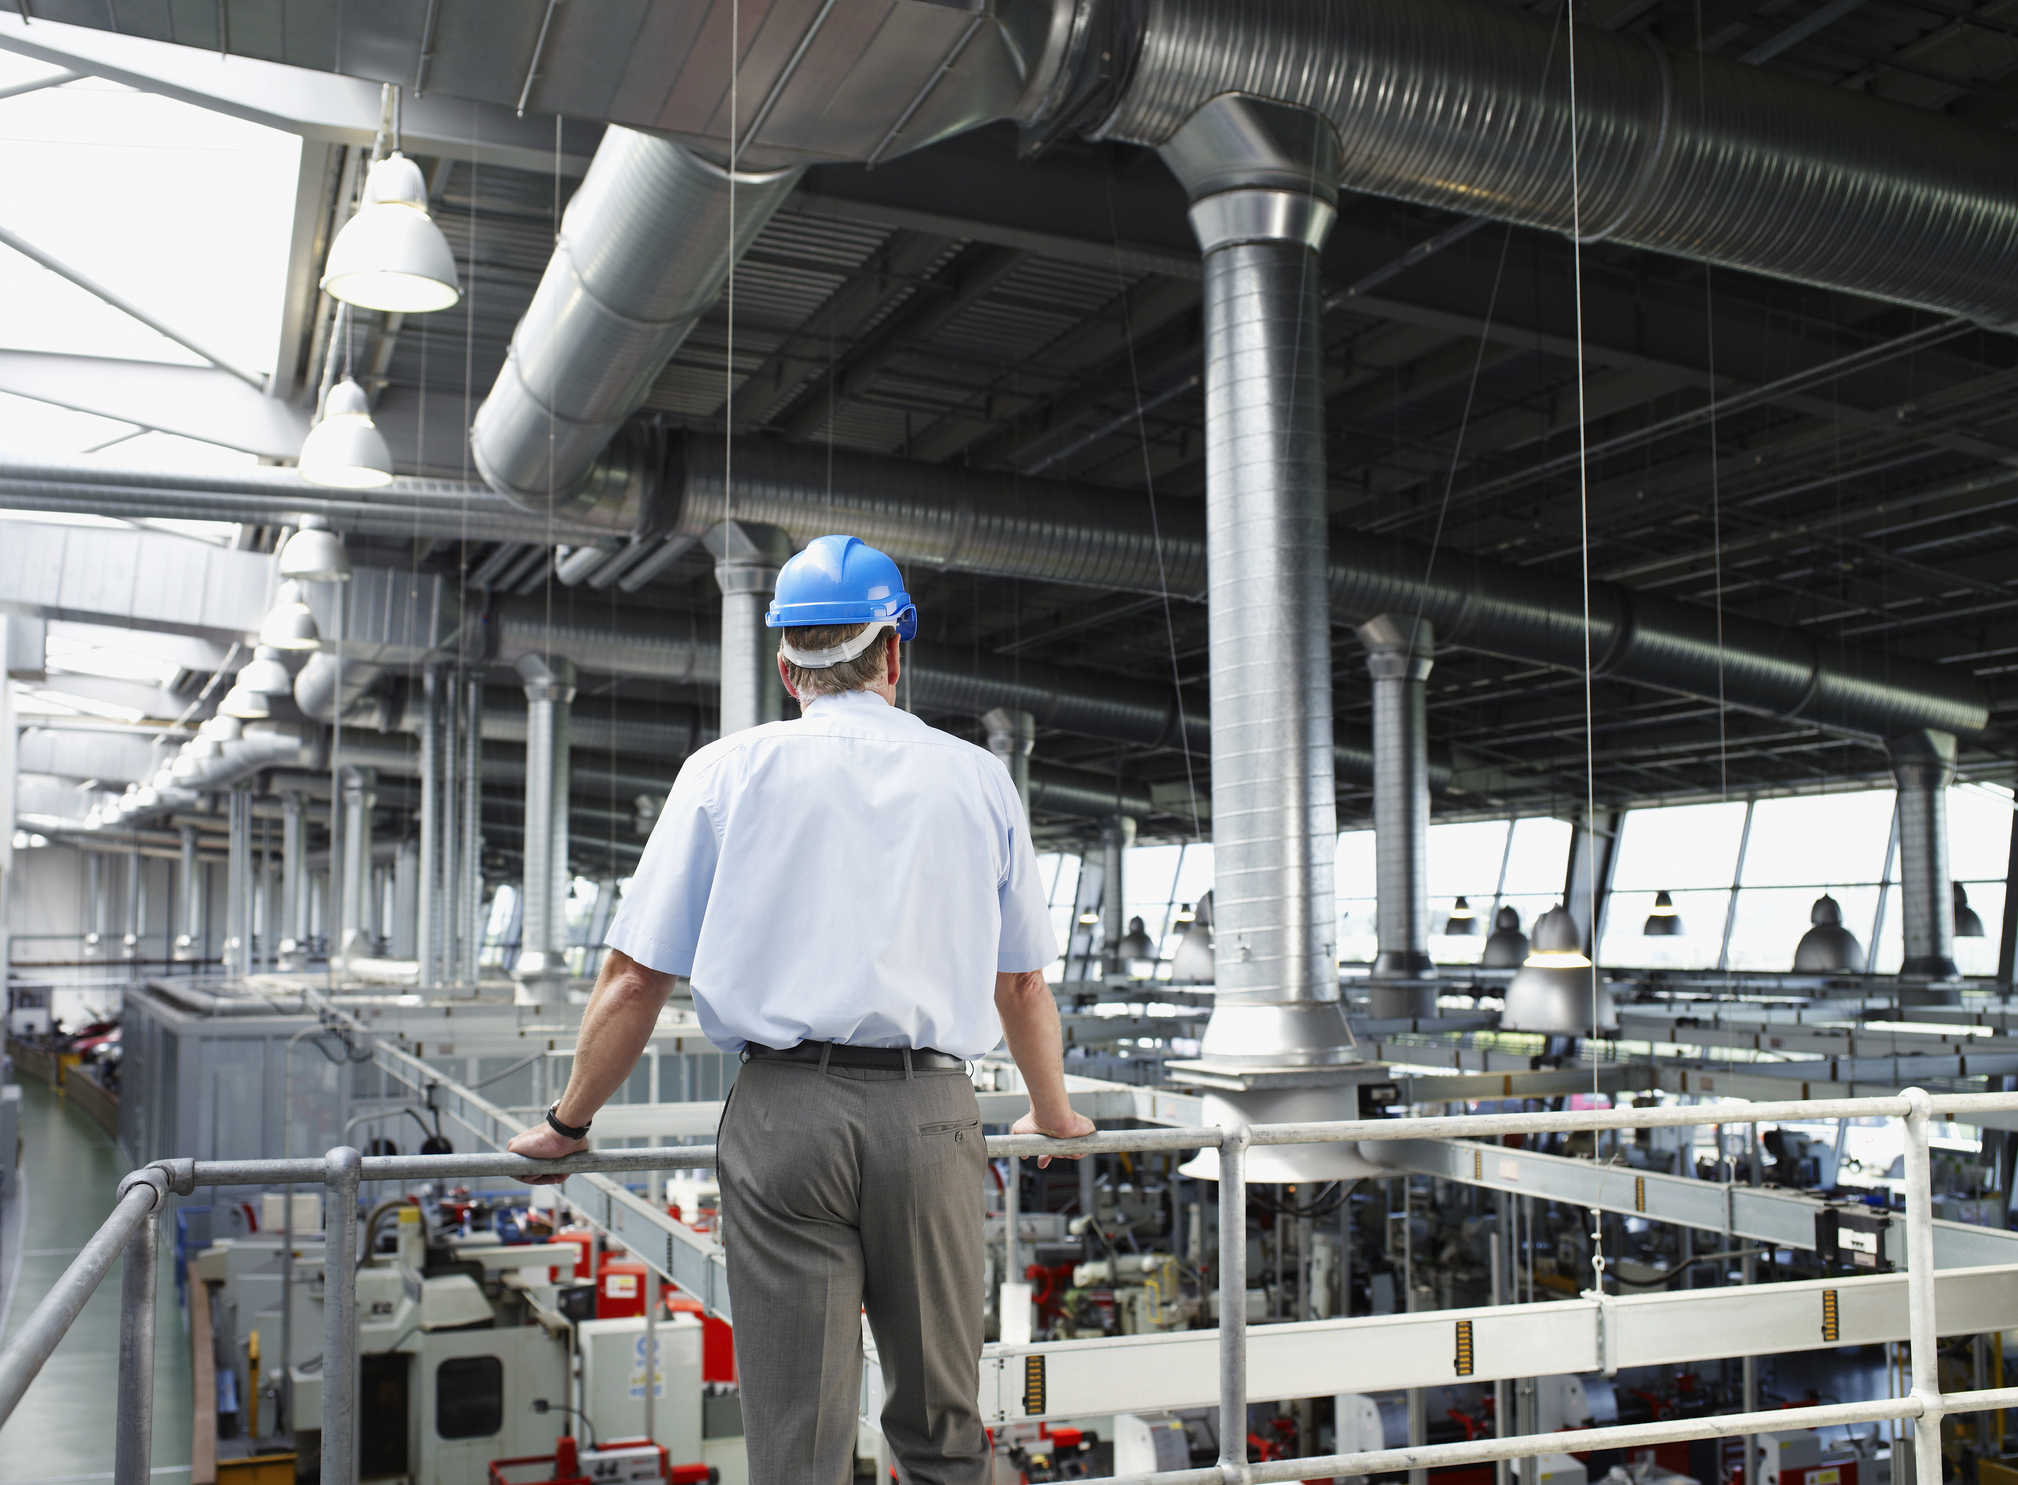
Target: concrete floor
[62, 1430]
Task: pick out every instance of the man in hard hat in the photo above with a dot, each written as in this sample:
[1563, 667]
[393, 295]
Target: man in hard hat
[855, 900]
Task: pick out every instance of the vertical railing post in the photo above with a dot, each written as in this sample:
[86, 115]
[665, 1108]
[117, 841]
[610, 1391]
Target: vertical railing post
[341, 1169]
[133, 1440]
[1233, 1305]
[1920, 1321]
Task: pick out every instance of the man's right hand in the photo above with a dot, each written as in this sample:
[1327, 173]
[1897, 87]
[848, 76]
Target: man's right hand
[1070, 1125]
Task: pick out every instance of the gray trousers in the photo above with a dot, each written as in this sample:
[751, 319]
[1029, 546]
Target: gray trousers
[842, 1189]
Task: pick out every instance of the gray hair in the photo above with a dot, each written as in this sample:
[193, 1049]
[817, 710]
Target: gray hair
[857, 674]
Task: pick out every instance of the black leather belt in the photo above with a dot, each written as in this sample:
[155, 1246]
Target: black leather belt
[834, 1054]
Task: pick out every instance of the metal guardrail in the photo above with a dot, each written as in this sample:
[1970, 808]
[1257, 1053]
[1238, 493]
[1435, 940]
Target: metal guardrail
[133, 1229]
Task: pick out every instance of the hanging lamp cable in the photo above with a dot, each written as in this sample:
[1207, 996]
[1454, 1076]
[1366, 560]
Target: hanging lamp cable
[1584, 550]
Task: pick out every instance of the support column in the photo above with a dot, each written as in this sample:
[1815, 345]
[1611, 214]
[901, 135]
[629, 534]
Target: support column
[1923, 766]
[360, 793]
[1400, 650]
[427, 865]
[94, 904]
[469, 905]
[407, 895]
[293, 884]
[448, 836]
[1117, 834]
[748, 555]
[189, 941]
[1011, 736]
[1261, 181]
[136, 908]
[238, 885]
[550, 689]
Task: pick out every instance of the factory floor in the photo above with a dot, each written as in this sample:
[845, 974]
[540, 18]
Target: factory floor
[63, 1429]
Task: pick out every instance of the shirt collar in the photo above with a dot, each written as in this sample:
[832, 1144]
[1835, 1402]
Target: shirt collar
[842, 699]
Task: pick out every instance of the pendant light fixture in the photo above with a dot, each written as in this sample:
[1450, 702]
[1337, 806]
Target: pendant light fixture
[315, 554]
[1663, 921]
[1968, 924]
[289, 625]
[267, 674]
[1136, 953]
[243, 702]
[345, 450]
[391, 256]
[1552, 992]
[1462, 923]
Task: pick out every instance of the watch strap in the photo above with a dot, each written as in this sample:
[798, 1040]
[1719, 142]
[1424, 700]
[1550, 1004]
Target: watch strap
[569, 1130]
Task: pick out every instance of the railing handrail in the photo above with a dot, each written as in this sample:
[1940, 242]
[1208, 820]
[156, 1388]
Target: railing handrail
[134, 1222]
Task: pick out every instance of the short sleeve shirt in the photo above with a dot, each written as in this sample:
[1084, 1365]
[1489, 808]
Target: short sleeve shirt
[854, 876]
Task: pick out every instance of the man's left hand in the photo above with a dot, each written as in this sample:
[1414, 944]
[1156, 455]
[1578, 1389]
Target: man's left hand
[544, 1142]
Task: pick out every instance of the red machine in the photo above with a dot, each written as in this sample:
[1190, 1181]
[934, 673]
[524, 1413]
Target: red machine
[621, 1287]
[718, 1340]
[607, 1464]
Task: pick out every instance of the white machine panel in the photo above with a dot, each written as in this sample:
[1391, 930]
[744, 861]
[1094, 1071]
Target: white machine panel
[613, 1382]
[1147, 1442]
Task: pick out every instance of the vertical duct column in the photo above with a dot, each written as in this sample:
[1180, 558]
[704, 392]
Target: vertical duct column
[404, 930]
[1011, 736]
[1399, 653]
[94, 904]
[1923, 766]
[359, 789]
[469, 903]
[294, 908]
[136, 907]
[441, 883]
[189, 942]
[1260, 177]
[238, 885]
[427, 863]
[747, 558]
[550, 688]
[1117, 834]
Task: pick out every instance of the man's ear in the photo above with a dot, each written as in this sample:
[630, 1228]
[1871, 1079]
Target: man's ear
[785, 675]
[892, 666]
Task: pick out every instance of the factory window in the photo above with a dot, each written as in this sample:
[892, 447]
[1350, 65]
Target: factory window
[1799, 848]
[1521, 866]
[1158, 884]
[1979, 857]
[469, 1397]
[1059, 872]
[1465, 861]
[1690, 853]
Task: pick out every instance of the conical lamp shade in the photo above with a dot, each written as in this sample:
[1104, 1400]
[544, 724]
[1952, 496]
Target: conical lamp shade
[345, 453]
[391, 256]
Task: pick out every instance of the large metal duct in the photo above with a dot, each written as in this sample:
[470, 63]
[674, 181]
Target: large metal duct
[1002, 526]
[452, 510]
[1262, 202]
[1399, 653]
[644, 249]
[948, 680]
[1465, 105]
[1923, 766]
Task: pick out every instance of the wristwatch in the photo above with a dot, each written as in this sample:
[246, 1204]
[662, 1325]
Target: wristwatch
[573, 1132]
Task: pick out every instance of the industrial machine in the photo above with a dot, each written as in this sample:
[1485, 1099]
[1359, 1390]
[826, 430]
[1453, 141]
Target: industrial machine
[473, 1352]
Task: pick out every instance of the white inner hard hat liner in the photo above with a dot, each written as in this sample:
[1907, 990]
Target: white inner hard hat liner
[846, 650]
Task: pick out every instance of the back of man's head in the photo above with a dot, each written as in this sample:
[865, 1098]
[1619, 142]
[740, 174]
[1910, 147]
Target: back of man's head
[857, 674]
[835, 603]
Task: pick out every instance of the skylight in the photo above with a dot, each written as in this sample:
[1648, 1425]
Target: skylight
[187, 212]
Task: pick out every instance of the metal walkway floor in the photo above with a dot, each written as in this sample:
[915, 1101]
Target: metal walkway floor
[63, 1429]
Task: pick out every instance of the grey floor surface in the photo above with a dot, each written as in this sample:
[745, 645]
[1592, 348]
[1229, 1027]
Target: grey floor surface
[63, 1429]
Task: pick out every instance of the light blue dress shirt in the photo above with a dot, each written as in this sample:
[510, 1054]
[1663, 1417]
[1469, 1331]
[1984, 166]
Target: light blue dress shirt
[854, 876]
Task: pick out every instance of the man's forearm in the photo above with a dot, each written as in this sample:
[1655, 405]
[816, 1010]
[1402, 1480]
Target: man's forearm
[1030, 1026]
[618, 1021]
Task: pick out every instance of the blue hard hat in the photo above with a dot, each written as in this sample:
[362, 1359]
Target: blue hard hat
[841, 580]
